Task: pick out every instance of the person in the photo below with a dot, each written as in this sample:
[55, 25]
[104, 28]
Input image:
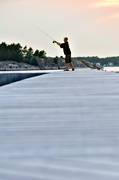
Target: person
[67, 53]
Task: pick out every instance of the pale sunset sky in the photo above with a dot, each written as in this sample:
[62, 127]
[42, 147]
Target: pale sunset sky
[91, 25]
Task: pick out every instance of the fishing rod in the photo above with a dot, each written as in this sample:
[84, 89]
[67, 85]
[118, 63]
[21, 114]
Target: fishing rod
[46, 34]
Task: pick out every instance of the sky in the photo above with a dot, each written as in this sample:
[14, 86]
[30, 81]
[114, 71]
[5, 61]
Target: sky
[92, 26]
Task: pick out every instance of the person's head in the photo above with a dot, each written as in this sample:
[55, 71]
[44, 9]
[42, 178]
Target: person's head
[66, 39]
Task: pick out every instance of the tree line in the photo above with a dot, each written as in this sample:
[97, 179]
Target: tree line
[103, 61]
[16, 52]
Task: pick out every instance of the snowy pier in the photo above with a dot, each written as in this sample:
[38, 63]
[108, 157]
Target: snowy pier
[60, 126]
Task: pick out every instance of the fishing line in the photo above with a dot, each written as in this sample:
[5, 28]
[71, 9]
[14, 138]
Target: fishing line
[46, 34]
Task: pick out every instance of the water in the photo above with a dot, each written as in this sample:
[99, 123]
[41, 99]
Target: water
[113, 69]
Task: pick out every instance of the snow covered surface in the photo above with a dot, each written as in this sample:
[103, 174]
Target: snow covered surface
[60, 126]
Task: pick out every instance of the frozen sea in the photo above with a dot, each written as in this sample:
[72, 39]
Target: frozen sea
[60, 126]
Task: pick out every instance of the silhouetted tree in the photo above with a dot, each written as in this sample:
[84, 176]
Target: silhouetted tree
[11, 52]
[36, 53]
[56, 61]
[42, 54]
[3, 51]
[24, 51]
[29, 53]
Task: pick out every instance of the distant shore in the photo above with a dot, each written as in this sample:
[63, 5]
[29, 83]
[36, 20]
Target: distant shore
[112, 69]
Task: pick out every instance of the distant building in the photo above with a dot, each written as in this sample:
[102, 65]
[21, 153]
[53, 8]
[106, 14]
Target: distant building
[110, 64]
[13, 66]
[98, 64]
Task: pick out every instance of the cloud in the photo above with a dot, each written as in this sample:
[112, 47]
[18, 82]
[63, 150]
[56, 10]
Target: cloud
[107, 3]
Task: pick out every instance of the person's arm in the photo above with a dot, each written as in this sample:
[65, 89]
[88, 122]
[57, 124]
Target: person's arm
[59, 44]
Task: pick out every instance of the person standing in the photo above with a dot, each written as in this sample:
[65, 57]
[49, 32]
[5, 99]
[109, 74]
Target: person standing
[67, 53]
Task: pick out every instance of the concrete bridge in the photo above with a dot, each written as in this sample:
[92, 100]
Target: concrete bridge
[60, 126]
